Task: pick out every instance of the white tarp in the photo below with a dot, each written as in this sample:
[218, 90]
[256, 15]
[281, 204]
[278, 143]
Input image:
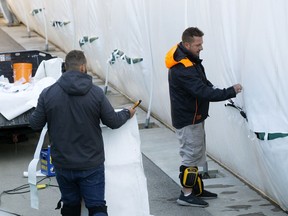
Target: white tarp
[125, 188]
[245, 41]
[15, 100]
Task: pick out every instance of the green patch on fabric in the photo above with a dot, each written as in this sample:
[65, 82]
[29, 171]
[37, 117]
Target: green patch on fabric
[36, 11]
[59, 23]
[118, 54]
[86, 39]
[271, 136]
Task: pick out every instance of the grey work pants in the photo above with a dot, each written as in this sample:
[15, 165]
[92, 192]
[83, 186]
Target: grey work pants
[192, 145]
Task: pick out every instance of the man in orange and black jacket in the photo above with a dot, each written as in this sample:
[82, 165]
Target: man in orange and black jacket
[190, 94]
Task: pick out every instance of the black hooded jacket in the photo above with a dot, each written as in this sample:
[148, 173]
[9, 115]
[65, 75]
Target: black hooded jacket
[73, 108]
[190, 90]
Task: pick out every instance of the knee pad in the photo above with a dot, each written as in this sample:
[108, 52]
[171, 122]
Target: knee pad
[188, 176]
[97, 209]
[71, 210]
[198, 187]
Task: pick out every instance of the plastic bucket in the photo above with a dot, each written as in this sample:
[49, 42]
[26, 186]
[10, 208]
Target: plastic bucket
[22, 71]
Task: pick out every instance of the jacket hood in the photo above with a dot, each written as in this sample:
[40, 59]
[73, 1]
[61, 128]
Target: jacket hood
[179, 54]
[75, 82]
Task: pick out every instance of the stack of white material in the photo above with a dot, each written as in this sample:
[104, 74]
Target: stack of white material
[17, 98]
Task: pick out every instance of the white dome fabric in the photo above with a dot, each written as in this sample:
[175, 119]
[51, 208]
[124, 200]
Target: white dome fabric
[245, 41]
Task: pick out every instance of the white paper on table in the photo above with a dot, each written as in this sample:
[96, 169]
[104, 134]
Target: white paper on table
[15, 104]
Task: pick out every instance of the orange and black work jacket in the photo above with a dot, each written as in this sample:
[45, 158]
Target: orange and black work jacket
[190, 90]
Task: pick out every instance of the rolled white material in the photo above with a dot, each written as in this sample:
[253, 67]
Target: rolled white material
[32, 170]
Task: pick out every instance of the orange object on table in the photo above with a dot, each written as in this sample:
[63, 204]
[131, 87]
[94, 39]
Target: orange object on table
[22, 70]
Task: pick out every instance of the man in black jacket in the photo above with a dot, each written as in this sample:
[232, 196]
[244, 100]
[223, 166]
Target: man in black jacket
[190, 94]
[73, 108]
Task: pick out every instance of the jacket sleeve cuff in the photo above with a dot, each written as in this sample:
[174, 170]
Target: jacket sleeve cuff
[127, 112]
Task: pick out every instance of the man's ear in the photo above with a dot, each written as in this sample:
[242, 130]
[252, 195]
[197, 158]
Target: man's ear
[83, 68]
[186, 45]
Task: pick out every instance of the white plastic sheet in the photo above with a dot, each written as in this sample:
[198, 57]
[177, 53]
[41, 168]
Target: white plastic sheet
[49, 68]
[17, 99]
[16, 103]
[32, 171]
[126, 187]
